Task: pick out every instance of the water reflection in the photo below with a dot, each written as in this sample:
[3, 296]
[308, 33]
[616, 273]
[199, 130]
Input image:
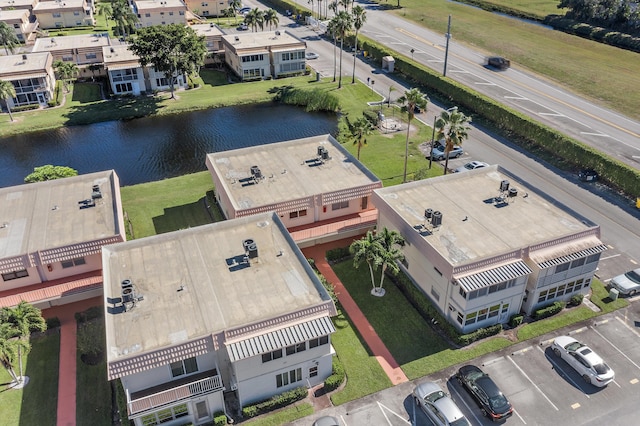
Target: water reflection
[149, 149]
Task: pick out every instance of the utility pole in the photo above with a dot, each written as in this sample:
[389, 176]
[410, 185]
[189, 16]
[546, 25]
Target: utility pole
[446, 50]
[433, 136]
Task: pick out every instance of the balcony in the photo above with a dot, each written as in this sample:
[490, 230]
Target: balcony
[174, 391]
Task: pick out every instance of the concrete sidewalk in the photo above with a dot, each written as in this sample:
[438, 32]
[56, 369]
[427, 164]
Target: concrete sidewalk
[377, 347]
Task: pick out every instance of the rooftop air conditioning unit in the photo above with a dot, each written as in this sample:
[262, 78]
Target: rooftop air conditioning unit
[24, 57]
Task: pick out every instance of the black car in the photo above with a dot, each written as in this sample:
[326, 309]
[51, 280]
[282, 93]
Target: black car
[499, 62]
[588, 175]
[486, 393]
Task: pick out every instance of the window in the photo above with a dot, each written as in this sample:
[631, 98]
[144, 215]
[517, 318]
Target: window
[15, 275]
[170, 13]
[562, 268]
[181, 12]
[298, 347]
[482, 314]
[76, 13]
[16, 25]
[493, 311]
[73, 262]
[253, 58]
[292, 376]
[323, 340]
[185, 366]
[460, 317]
[291, 67]
[462, 292]
[340, 205]
[471, 318]
[313, 371]
[147, 15]
[166, 415]
[300, 213]
[252, 73]
[270, 356]
[505, 308]
[435, 294]
[56, 14]
[67, 58]
[578, 262]
[90, 55]
[593, 258]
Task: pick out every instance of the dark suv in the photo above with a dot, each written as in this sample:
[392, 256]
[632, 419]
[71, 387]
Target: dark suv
[486, 393]
[499, 62]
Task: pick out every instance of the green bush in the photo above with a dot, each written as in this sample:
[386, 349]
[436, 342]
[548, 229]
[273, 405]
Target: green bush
[337, 376]
[576, 299]
[338, 254]
[275, 402]
[52, 323]
[219, 419]
[311, 100]
[481, 333]
[548, 311]
[516, 320]
[603, 35]
[25, 108]
[90, 314]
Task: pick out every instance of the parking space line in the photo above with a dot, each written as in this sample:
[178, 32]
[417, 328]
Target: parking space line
[627, 325]
[381, 406]
[453, 389]
[343, 420]
[616, 348]
[562, 373]
[532, 382]
[580, 330]
[519, 416]
[492, 361]
[604, 321]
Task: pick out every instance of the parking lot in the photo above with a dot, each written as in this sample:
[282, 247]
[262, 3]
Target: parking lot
[542, 388]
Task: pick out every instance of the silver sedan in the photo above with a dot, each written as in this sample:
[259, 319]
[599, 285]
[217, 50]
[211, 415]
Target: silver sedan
[438, 406]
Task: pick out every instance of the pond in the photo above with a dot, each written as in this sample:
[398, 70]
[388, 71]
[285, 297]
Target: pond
[154, 148]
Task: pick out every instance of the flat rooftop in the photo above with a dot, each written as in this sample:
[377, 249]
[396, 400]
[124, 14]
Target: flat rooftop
[207, 30]
[54, 5]
[7, 15]
[159, 4]
[27, 63]
[195, 283]
[474, 224]
[261, 39]
[46, 215]
[48, 44]
[290, 169]
[116, 54]
[21, 4]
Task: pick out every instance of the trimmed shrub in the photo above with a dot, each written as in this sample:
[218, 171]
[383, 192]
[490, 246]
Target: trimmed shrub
[548, 311]
[338, 375]
[516, 320]
[576, 299]
[338, 254]
[219, 419]
[275, 402]
[25, 108]
[481, 333]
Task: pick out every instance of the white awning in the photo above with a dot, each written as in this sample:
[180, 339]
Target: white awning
[493, 276]
[281, 338]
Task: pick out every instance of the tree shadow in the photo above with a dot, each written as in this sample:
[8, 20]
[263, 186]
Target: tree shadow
[118, 109]
[86, 92]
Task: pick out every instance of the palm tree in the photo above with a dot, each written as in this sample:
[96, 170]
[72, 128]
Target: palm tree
[368, 250]
[271, 17]
[453, 127]
[411, 99]
[388, 260]
[9, 348]
[343, 26]
[105, 8]
[7, 91]
[8, 38]
[332, 29]
[123, 16]
[255, 19]
[319, 10]
[389, 239]
[236, 5]
[360, 129]
[359, 18]
[66, 71]
[311, 3]
[25, 319]
[333, 6]
[345, 4]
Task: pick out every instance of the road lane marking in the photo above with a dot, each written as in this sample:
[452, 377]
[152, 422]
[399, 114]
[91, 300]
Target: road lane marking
[532, 382]
[616, 348]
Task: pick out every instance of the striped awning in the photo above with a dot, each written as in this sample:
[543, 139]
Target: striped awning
[281, 338]
[544, 261]
[493, 276]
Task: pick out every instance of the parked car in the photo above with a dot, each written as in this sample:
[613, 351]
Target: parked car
[472, 165]
[326, 421]
[244, 11]
[493, 403]
[311, 55]
[588, 175]
[627, 283]
[242, 27]
[438, 406]
[439, 154]
[584, 360]
[498, 62]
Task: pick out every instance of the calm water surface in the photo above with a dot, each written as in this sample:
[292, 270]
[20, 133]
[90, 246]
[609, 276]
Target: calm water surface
[149, 149]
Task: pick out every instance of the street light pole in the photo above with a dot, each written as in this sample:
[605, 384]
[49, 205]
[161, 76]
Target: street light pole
[433, 135]
[446, 51]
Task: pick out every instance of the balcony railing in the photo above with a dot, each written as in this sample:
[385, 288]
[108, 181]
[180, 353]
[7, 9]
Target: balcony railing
[174, 394]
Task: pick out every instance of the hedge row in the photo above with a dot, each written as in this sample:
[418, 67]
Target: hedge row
[219, 419]
[25, 108]
[548, 311]
[337, 254]
[481, 333]
[602, 35]
[516, 320]
[516, 126]
[275, 402]
[337, 376]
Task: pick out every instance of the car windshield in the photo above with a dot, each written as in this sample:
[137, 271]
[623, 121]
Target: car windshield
[633, 276]
[462, 421]
[435, 396]
[468, 166]
[573, 346]
[601, 368]
[498, 402]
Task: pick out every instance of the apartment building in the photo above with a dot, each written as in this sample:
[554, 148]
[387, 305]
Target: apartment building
[484, 245]
[85, 50]
[160, 12]
[64, 14]
[32, 77]
[19, 20]
[213, 40]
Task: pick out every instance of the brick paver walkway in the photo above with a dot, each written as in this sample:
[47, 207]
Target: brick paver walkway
[377, 347]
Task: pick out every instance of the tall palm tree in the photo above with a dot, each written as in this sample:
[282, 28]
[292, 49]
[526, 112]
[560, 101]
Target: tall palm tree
[345, 4]
[319, 10]
[333, 6]
[388, 260]
[25, 319]
[453, 127]
[389, 238]
[105, 9]
[367, 249]
[8, 38]
[66, 71]
[7, 91]
[359, 18]
[332, 29]
[411, 99]
[359, 130]
[123, 16]
[344, 23]
[9, 347]
[236, 5]
[271, 17]
[255, 19]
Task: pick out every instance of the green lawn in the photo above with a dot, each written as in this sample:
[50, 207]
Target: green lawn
[92, 407]
[598, 71]
[539, 8]
[282, 416]
[36, 403]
